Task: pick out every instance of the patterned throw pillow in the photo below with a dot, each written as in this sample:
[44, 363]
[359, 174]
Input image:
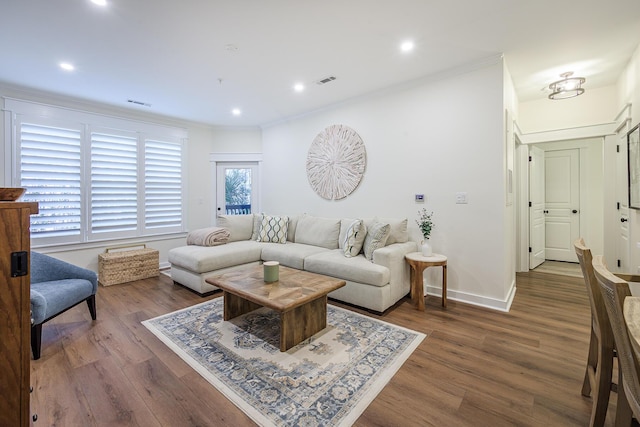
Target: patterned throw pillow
[377, 236]
[273, 229]
[354, 238]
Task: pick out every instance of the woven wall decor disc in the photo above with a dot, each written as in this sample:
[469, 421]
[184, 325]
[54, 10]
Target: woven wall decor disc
[336, 162]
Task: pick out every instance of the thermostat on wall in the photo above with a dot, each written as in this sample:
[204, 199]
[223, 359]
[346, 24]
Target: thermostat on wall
[419, 198]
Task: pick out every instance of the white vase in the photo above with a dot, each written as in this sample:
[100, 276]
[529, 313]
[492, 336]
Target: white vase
[426, 248]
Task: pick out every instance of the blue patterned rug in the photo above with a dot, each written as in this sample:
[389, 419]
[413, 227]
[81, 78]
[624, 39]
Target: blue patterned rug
[327, 380]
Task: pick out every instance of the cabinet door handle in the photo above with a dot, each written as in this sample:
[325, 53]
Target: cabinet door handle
[623, 220]
[19, 264]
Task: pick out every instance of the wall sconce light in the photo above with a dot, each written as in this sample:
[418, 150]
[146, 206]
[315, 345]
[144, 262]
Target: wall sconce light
[568, 87]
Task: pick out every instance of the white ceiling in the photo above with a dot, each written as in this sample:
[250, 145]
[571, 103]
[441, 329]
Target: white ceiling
[198, 59]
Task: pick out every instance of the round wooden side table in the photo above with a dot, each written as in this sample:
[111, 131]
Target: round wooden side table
[418, 264]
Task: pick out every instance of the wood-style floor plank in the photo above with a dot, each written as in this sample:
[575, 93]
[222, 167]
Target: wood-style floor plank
[477, 367]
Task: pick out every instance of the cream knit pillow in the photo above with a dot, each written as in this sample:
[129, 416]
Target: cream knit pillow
[377, 236]
[354, 238]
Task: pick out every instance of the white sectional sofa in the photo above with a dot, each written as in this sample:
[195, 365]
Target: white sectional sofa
[313, 244]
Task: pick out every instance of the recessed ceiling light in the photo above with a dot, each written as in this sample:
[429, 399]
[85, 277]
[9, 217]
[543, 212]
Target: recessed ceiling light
[407, 46]
[236, 112]
[298, 87]
[99, 2]
[67, 66]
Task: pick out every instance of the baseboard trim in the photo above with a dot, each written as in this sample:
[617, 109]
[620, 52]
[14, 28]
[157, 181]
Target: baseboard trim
[478, 300]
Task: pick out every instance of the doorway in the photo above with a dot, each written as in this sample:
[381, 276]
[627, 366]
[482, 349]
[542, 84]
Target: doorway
[573, 207]
[236, 188]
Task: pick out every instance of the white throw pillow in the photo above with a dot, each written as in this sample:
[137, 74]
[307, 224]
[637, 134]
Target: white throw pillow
[317, 231]
[354, 238]
[239, 226]
[376, 237]
[274, 229]
[398, 232]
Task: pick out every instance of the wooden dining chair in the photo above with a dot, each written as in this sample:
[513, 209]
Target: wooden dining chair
[597, 377]
[614, 290]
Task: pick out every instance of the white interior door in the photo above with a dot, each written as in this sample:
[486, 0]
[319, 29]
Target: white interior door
[622, 198]
[562, 204]
[236, 188]
[536, 207]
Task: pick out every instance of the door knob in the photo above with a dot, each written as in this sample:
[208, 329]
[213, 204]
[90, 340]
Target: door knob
[574, 211]
[623, 220]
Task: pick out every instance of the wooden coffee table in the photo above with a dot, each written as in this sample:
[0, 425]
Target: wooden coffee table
[299, 296]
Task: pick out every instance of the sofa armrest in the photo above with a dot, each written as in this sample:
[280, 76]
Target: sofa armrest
[392, 257]
[45, 268]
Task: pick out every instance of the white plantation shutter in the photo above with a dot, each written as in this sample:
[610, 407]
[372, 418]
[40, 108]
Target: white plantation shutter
[96, 177]
[50, 169]
[114, 183]
[163, 185]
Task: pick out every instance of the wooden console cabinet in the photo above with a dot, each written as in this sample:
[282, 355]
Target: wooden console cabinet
[15, 313]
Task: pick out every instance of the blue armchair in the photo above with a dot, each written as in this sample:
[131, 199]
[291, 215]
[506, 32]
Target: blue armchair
[56, 286]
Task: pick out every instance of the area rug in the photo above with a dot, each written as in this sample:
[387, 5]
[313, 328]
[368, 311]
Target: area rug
[327, 380]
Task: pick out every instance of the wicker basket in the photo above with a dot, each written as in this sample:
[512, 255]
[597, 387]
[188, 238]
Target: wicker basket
[127, 265]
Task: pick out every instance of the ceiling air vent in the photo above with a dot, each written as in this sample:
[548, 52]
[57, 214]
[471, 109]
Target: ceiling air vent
[325, 80]
[144, 104]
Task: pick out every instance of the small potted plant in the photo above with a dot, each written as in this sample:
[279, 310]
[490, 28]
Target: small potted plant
[425, 224]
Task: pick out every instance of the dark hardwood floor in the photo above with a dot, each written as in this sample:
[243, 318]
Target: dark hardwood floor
[477, 367]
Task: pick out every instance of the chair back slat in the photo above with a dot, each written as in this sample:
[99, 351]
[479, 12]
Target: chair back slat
[599, 316]
[614, 290]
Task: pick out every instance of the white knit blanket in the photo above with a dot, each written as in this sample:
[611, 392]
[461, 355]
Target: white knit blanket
[211, 236]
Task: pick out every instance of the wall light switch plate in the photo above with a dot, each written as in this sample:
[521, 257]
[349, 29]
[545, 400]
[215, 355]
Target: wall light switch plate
[461, 198]
[419, 198]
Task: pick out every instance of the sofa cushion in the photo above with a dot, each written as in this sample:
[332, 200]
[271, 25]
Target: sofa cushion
[201, 259]
[316, 231]
[240, 226]
[291, 254]
[376, 237]
[354, 238]
[398, 230]
[273, 229]
[355, 269]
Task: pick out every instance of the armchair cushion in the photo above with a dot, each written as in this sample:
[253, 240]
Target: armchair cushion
[51, 298]
[57, 285]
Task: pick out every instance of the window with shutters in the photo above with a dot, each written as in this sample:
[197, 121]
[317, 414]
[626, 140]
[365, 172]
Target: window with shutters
[97, 178]
[162, 184]
[51, 170]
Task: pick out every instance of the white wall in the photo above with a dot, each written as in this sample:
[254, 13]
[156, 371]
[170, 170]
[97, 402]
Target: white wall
[434, 138]
[595, 106]
[628, 87]
[510, 171]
